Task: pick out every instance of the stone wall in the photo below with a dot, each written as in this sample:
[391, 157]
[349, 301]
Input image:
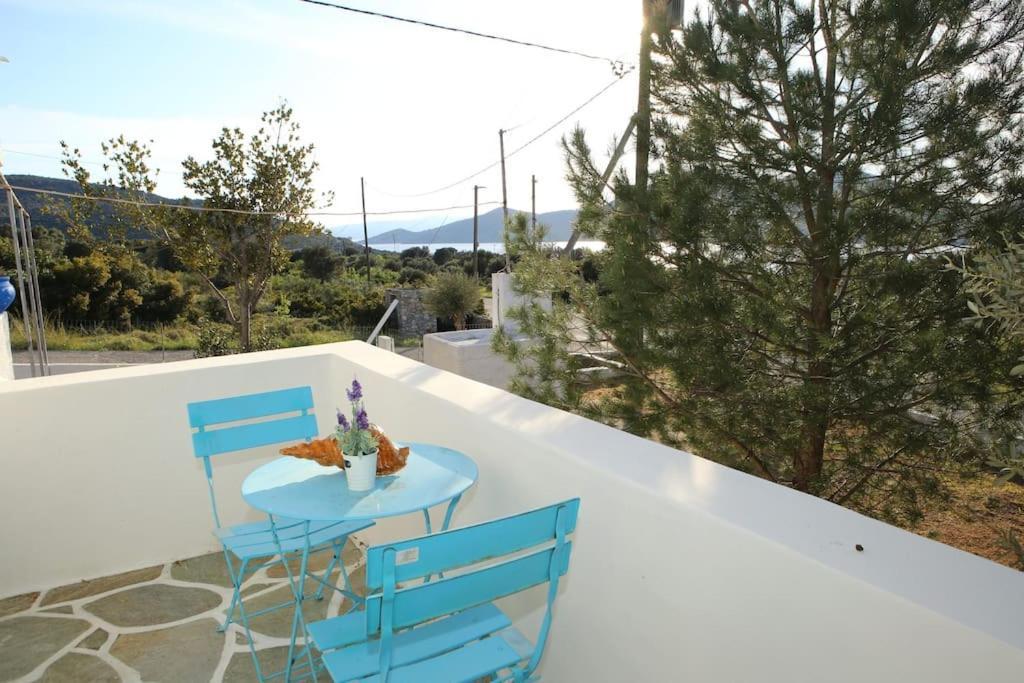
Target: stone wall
[411, 317]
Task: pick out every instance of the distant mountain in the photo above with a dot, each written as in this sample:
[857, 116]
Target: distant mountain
[34, 203]
[354, 231]
[558, 223]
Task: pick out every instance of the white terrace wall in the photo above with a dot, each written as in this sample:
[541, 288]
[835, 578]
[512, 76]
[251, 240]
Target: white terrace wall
[682, 570]
[6, 357]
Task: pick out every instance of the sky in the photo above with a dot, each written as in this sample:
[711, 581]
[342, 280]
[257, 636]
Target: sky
[409, 108]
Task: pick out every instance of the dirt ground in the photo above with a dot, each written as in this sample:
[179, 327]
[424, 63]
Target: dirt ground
[976, 518]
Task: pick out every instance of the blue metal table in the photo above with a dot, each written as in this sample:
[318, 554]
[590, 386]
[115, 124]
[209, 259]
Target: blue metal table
[296, 489]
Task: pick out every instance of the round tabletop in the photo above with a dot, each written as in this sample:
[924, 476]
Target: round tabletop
[304, 489]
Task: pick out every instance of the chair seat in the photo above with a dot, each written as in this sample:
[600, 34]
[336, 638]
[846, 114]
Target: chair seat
[442, 650]
[255, 539]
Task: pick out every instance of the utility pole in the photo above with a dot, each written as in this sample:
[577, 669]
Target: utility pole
[504, 195]
[476, 234]
[533, 202]
[620, 149]
[366, 233]
[643, 106]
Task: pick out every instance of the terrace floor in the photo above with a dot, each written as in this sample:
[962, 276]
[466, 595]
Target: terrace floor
[156, 624]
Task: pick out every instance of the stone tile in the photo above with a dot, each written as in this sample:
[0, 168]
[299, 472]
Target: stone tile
[153, 604]
[317, 561]
[94, 640]
[240, 668]
[256, 588]
[188, 652]
[210, 568]
[17, 603]
[63, 609]
[74, 667]
[84, 589]
[279, 622]
[27, 642]
[357, 579]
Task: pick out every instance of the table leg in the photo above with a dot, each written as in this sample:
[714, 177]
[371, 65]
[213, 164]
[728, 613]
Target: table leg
[444, 526]
[448, 513]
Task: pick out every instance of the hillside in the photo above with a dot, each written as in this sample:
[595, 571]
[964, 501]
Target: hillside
[35, 204]
[558, 223]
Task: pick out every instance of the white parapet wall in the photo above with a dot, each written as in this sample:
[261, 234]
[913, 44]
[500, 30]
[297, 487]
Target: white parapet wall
[6, 357]
[682, 570]
[468, 353]
[504, 297]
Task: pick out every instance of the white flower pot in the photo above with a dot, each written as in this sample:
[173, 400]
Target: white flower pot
[361, 471]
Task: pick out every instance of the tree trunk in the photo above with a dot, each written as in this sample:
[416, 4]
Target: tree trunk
[815, 408]
[244, 319]
[810, 456]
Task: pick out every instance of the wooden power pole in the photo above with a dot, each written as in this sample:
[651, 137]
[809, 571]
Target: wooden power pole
[366, 232]
[533, 202]
[643, 105]
[476, 233]
[504, 195]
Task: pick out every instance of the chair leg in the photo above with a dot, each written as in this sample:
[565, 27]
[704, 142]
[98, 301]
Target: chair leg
[236, 602]
[236, 582]
[243, 614]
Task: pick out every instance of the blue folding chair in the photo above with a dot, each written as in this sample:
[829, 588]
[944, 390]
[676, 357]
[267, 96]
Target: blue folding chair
[450, 630]
[244, 422]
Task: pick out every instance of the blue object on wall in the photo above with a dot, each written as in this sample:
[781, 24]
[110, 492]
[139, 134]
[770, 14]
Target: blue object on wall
[6, 292]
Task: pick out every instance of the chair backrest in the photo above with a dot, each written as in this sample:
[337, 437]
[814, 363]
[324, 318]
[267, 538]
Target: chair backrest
[215, 431]
[389, 609]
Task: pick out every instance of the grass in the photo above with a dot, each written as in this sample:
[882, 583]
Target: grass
[170, 337]
[307, 338]
[64, 338]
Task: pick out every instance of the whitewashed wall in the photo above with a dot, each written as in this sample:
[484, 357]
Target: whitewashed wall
[683, 570]
[6, 358]
[468, 353]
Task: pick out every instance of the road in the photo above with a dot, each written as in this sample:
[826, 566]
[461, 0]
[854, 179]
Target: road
[65, 362]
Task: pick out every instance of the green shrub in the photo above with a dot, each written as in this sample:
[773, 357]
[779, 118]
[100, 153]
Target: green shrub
[453, 296]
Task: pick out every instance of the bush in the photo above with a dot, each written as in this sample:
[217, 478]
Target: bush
[444, 255]
[453, 296]
[339, 303]
[412, 277]
[319, 262]
[215, 339]
[415, 253]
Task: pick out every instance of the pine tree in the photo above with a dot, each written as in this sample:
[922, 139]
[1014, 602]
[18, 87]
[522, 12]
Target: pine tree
[779, 298]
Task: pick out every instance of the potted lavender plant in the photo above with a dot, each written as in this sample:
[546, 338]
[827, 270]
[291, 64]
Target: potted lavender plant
[358, 444]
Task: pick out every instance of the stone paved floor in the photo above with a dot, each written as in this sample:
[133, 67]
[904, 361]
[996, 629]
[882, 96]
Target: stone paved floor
[156, 624]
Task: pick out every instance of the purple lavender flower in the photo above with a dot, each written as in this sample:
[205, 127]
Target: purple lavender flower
[343, 422]
[356, 392]
[362, 420]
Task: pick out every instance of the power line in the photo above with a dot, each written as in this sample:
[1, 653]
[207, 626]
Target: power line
[49, 156]
[523, 146]
[616, 64]
[244, 212]
[436, 231]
